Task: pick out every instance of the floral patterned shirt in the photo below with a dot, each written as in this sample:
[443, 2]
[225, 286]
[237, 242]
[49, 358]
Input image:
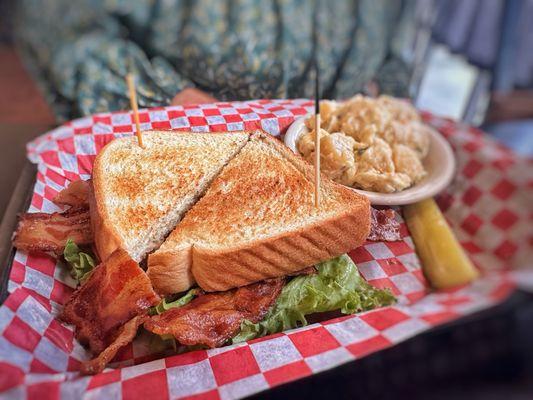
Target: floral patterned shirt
[80, 51]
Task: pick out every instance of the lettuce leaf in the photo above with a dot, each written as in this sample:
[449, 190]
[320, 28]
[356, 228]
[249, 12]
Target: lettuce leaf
[81, 264]
[181, 301]
[337, 285]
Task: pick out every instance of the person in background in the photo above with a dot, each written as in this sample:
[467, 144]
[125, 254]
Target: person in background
[497, 37]
[198, 51]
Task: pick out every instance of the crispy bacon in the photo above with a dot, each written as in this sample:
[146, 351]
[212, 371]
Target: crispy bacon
[49, 232]
[75, 195]
[212, 319]
[383, 226]
[125, 335]
[117, 291]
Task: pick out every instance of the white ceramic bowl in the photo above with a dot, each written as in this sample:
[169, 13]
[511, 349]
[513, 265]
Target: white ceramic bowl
[439, 164]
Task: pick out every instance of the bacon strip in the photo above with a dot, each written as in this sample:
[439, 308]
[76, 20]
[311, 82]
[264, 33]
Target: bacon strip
[383, 226]
[212, 319]
[125, 335]
[75, 195]
[117, 291]
[49, 232]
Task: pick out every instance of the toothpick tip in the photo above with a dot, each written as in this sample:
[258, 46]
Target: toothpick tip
[133, 102]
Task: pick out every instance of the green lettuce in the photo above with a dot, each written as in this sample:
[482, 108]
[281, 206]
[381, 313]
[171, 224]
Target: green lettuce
[337, 285]
[181, 301]
[81, 264]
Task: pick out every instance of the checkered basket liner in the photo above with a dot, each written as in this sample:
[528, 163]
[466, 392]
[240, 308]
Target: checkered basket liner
[488, 205]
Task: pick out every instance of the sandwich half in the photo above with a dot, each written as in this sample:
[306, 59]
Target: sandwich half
[257, 220]
[141, 194]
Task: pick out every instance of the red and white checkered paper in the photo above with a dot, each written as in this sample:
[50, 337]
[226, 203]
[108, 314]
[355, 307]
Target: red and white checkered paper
[488, 205]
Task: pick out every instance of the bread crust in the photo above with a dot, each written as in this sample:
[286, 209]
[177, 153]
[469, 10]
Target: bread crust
[106, 239]
[170, 271]
[218, 270]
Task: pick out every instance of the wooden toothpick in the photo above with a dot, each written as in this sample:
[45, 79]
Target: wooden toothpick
[133, 102]
[317, 103]
[317, 159]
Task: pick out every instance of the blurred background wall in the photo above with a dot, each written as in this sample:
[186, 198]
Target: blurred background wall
[24, 113]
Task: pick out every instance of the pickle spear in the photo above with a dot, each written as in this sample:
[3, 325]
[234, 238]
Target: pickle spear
[444, 261]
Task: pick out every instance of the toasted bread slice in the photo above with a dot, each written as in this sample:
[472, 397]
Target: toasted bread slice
[258, 220]
[140, 194]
